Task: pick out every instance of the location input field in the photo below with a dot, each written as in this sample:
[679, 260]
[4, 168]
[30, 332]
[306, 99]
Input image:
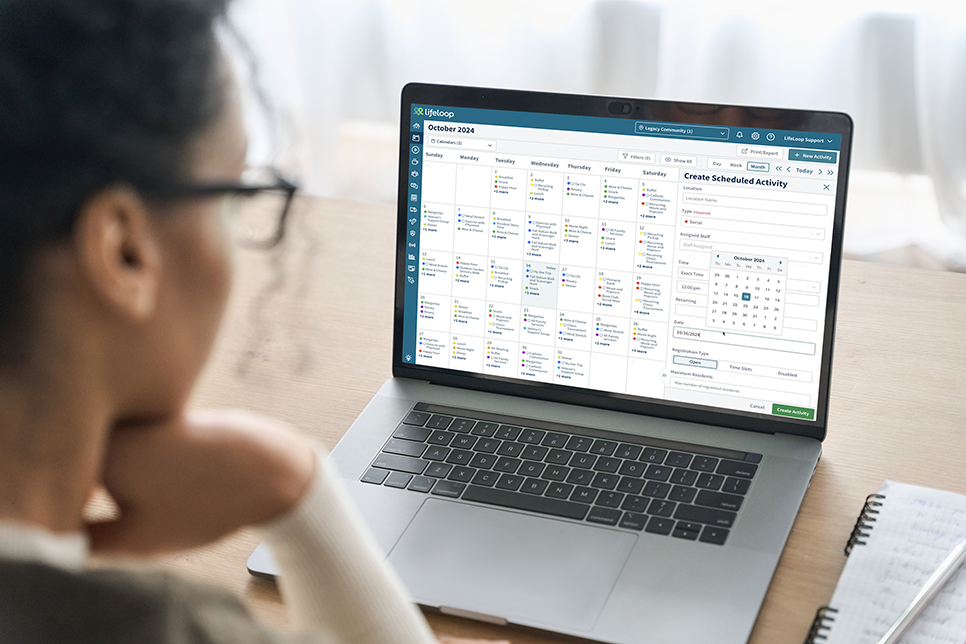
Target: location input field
[463, 144]
[738, 226]
[750, 203]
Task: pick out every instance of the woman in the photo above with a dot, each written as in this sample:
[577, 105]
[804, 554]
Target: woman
[120, 137]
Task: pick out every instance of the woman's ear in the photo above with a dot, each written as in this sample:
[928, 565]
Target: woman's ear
[118, 251]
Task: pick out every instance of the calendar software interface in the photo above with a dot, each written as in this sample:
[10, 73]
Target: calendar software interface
[676, 262]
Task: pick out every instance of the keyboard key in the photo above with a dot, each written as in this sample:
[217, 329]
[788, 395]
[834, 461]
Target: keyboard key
[558, 457]
[421, 484]
[553, 439]
[678, 459]
[584, 495]
[682, 494]
[436, 453]
[534, 486]
[559, 490]
[460, 457]
[653, 455]
[375, 476]
[630, 468]
[483, 461]
[579, 443]
[719, 500]
[400, 463]
[580, 477]
[462, 474]
[509, 482]
[507, 465]
[462, 441]
[609, 499]
[605, 481]
[714, 535]
[404, 448]
[603, 448]
[509, 448]
[657, 472]
[448, 488]
[605, 516]
[462, 425]
[736, 468]
[635, 503]
[704, 463]
[534, 452]
[541, 504]
[487, 445]
[484, 429]
[684, 477]
[532, 436]
[398, 479]
[438, 421]
[508, 432]
[661, 508]
[710, 481]
[630, 485]
[633, 521]
[657, 490]
[685, 530]
[628, 451]
[410, 433]
[696, 514]
[736, 486]
[485, 478]
[659, 525]
[440, 438]
[531, 468]
[438, 470]
[607, 464]
[585, 461]
[416, 418]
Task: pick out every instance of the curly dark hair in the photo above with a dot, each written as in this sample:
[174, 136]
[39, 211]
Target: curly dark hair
[93, 93]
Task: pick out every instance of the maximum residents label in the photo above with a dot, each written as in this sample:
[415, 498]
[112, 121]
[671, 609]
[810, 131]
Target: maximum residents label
[804, 413]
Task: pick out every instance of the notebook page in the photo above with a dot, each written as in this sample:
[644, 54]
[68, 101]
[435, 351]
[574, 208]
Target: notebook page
[914, 531]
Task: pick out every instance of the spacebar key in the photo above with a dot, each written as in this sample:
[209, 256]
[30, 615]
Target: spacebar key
[539, 504]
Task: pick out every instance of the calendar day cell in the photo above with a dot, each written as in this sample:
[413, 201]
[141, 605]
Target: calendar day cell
[470, 276]
[576, 288]
[657, 202]
[471, 235]
[436, 225]
[579, 241]
[615, 248]
[644, 377]
[540, 284]
[439, 182]
[581, 195]
[613, 293]
[653, 249]
[537, 325]
[466, 352]
[618, 199]
[536, 362]
[574, 330]
[501, 358]
[543, 235]
[468, 316]
[652, 296]
[509, 188]
[608, 372]
[572, 368]
[648, 340]
[434, 312]
[503, 321]
[507, 233]
[611, 335]
[432, 348]
[435, 272]
[545, 192]
[504, 280]
[472, 185]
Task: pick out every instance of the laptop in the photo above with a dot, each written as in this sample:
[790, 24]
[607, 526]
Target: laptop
[612, 347]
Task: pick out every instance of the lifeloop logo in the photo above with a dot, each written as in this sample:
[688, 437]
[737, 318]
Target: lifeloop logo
[432, 112]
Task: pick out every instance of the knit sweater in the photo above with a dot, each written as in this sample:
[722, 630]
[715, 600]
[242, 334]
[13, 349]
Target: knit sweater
[334, 579]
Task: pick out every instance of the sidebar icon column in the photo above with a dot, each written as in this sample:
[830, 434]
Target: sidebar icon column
[412, 241]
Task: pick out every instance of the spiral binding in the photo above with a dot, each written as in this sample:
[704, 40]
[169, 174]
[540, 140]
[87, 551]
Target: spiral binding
[864, 523]
[824, 617]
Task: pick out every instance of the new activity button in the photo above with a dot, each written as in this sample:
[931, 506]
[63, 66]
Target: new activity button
[812, 156]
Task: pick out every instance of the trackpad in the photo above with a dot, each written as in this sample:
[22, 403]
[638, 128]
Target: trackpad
[525, 569]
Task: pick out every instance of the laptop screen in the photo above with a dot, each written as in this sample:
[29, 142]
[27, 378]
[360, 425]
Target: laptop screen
[681, 263]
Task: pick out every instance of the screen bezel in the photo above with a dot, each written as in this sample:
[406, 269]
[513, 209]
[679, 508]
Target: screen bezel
[641, 109]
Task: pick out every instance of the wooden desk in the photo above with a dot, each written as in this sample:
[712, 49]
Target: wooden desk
[308, 336]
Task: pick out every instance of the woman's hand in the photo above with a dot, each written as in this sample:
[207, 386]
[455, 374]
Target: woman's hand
[195, 478]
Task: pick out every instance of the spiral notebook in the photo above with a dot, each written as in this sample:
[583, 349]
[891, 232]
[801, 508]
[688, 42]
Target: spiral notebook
[901, 536]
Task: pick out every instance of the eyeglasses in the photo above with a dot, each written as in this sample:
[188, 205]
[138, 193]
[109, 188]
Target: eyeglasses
[257, 208]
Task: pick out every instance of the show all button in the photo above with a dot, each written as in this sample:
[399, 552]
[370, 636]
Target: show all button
[804, 413]
[813, 156]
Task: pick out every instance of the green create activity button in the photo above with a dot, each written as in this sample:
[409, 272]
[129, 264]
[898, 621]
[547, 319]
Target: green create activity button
[794, 412]
[812, 156]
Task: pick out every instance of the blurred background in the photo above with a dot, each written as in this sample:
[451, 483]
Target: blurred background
[334, 71]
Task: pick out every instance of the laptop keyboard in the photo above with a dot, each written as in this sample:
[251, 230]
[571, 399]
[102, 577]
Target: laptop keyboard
[658, 486]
